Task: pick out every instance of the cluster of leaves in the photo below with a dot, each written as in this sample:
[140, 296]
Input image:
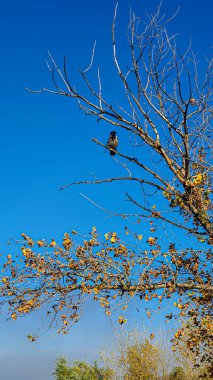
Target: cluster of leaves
[80, 371]
[196, 200]
[141, 361]
[62, 276]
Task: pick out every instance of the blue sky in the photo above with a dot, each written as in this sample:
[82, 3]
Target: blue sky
[46, 142]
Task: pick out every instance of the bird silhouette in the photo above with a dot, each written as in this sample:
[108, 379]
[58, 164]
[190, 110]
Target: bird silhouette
[112, 143]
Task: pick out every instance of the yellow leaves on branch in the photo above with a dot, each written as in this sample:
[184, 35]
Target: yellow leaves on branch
[31, 338]
[112, 236]
[40, 243]
[198, 179]
[53, 243]
[179, 305]
[121, 320]
[151, 241]
[96, 291]
[179, 333]
[30, 302]
[63, 316]
[26, 307]
[94, 232]
[28, 240]
[98, 265]
[67, 243]
[192, 101]
[27, 252]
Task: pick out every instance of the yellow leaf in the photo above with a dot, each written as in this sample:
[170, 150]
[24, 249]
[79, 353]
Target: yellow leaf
[26, 252]
[4, 280]
[152, 336]
[192, 101]
[53, 243]
[113, 238]
[30, 242]
[140, 237]
[31, 338]
[198, 179]
[106, 236]
[96, 291]
[151, 241]
[40, 243]
[30, 302]
[14, 316]
[121, 320]
[67, 243]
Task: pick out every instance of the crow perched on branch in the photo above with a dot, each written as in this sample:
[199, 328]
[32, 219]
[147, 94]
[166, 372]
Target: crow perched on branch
[112, 143]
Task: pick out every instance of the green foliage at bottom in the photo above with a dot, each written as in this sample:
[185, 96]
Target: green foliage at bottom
[80, 371]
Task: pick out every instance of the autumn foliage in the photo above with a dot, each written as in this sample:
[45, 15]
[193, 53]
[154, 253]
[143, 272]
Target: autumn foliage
[62, 275]
[168, 115]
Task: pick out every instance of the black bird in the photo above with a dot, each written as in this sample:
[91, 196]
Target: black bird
[112, 143]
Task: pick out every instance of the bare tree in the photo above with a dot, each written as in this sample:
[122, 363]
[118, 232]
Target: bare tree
[169, 111]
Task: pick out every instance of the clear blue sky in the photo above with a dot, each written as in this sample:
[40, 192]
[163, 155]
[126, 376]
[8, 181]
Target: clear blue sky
[46, 142]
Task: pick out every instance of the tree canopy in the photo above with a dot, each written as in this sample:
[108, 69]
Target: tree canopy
[80, 371]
